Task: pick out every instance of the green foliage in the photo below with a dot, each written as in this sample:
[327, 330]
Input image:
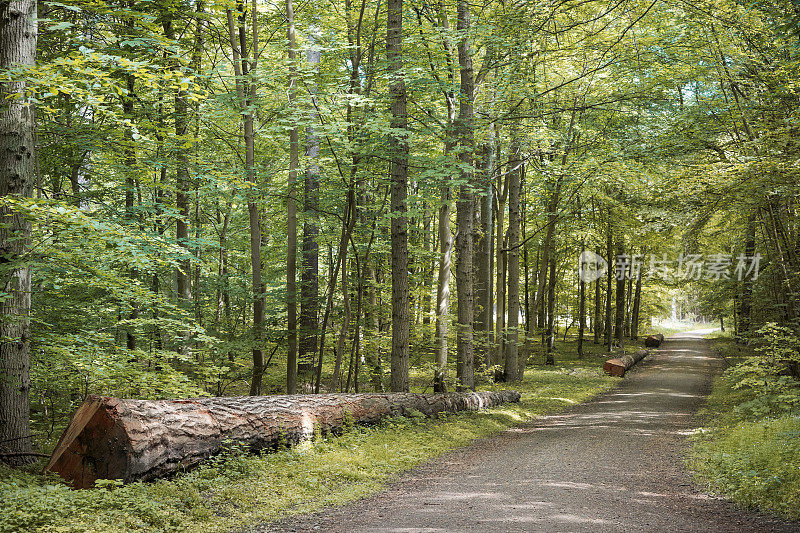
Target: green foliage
[751, 450]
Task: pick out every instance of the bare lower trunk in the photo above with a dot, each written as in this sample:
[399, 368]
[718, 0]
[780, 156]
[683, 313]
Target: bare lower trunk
[17, 170]
[399, 191]
[465, 363]
[443, 292]
[291, 217]
[512, 335]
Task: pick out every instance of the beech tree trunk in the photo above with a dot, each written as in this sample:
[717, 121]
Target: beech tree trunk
[637, 302]
[291, 215]
[619, 317]
[142, 440]
[598, 309]
[512, 332]
[465, 364]
[398, 147]
[17, 170]
[308, 328]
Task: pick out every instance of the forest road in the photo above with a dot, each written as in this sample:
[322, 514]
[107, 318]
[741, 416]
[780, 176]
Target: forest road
[612, 464]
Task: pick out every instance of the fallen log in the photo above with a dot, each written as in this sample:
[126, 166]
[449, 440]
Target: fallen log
[112, 438]
[654, 341]
[618, 366]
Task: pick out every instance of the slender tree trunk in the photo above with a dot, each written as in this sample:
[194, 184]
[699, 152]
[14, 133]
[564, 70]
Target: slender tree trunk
[637, 302]
[336, 379]
[18, 28]
[443, 292]
[598, 309]
[309, 277]
[745, 302]
[609, 283]
[501, 190]
[398, 147]
[619, 319]
[483, 283]
[551, 310]
[291, 215]
[581, 304]
[244, 61]
[372, 319]
[464, 212]
[512, 335]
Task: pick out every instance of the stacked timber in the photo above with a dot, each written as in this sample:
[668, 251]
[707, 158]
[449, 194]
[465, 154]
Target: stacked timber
[618, 366]
[112, 438]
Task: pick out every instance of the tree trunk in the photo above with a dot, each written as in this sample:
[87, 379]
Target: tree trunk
[598, 312]
[618, 367]
[483, 282]
[398, 153]
[17, 176]
[244, 62]
[142, 440]
[609, 282]
[443, 292]
[465, 364]
[512, 335]
[619, 318]
[637, 302]
[551, 311]
[581, 310]
[745, 301]
[291, 215]
[309, 277]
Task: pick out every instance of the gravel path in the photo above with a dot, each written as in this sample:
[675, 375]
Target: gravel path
[612, 464]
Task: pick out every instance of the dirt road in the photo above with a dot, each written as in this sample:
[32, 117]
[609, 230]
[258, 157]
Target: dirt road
[612, 464]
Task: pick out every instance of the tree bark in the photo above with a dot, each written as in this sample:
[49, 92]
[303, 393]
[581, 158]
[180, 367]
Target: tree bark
[619, 318]
[465, 363]
[398, 148]
[309, 277]
[637, 302]
[483, 281]
[512, 332]
[18, 32]
[142, 440]
[291, 215]
[618, 367]
[245, 62]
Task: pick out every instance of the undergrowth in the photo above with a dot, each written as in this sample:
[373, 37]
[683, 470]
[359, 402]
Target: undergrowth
[750, 449]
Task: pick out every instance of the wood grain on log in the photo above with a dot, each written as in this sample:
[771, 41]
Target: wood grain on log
[112, 438]
[618, 366]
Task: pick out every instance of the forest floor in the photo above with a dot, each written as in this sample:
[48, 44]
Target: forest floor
[615, 463]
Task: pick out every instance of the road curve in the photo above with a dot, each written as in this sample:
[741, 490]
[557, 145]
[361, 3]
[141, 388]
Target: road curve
[614, 464]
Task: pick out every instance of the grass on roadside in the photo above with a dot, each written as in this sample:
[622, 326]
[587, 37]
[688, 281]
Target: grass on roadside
[235, 490]
[745, 453]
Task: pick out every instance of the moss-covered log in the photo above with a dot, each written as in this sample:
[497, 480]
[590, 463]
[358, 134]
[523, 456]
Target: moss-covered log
[112, 438]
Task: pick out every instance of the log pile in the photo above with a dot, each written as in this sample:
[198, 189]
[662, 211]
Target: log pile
[654, 341]
[112, 438]
[618, 366]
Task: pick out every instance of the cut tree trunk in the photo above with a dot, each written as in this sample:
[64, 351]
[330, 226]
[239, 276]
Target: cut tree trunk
[618, 366]
[654, 341]
[112, 438]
